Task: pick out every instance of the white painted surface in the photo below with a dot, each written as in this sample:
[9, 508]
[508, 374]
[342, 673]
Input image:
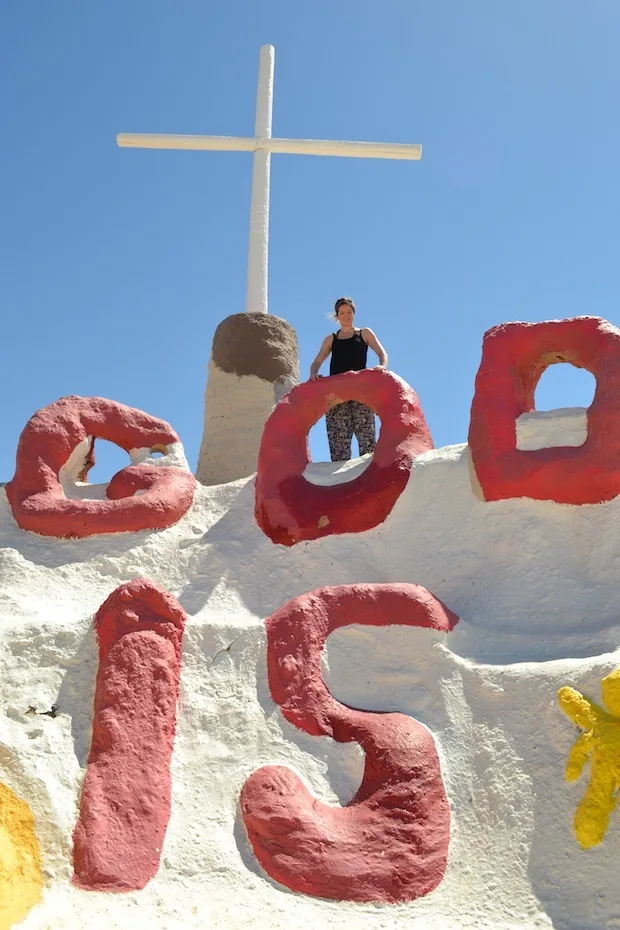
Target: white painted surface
[536, 586]
[262, 145]
[236, 409]
[330, 473]
[75, 489]
[566, 426]
[174, 455]
[257, 283]
[74, 465]
[334, 147]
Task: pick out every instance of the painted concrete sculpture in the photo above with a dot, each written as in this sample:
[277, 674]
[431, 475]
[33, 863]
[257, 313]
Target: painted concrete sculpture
[533, 582]
[57, 447]
[289, 508]
[599, 745]
[391, 842]
[514, 356]
[125, 805]
[21, 880]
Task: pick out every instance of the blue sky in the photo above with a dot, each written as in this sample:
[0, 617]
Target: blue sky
[118, 264]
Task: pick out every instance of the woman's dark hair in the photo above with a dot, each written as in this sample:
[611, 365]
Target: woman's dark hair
[341, 301]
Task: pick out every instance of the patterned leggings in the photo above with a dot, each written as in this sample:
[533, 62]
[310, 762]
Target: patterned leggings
[343, 421]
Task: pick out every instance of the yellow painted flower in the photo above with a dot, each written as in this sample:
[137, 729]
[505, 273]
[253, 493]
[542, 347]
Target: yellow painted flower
[21, 881]
[600, 745]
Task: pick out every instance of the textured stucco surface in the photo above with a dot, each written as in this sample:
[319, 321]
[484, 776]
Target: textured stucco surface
[236, 409]
[258, 344]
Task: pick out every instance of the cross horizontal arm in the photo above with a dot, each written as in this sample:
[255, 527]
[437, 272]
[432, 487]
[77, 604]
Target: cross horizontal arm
[393, 150]
[149, 140]
[346, 149]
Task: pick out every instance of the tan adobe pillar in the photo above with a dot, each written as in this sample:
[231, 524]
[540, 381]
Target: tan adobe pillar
[254, 362]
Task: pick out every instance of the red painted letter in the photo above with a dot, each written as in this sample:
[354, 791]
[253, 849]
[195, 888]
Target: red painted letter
[125, 805]
[391, 842]
[50, 437]
[289, 508]
[514, 357]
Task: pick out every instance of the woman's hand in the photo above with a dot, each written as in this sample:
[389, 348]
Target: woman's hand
[324, 351]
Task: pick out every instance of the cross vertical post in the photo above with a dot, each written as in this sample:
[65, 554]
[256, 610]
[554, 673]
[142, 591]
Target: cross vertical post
[257, 283]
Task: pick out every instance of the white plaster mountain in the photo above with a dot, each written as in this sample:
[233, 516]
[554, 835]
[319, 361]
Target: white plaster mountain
[536, 586]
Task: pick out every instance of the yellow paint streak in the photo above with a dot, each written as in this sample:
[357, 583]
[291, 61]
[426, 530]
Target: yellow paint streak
[599, 745]
[21, 881]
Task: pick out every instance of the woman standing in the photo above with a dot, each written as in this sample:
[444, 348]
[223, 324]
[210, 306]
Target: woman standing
[348, 348]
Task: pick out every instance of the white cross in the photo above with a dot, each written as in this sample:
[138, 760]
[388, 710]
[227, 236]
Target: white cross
[262, 144]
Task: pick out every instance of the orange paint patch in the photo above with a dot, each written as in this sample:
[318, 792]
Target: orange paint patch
[21, 881]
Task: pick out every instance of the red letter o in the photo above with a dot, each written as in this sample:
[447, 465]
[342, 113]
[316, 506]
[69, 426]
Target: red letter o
[289, 508]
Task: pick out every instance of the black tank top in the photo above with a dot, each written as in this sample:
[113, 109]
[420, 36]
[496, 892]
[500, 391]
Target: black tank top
[348, 354]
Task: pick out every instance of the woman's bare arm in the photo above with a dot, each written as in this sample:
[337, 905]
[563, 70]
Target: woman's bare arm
[324, 351]
[371, 340]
